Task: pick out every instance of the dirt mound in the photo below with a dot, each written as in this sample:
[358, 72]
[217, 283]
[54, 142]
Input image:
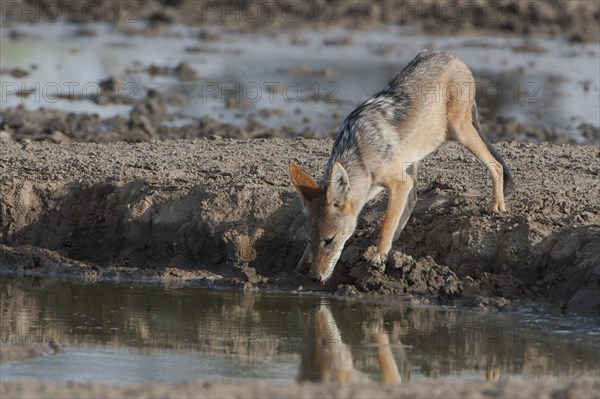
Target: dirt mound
[223, 211]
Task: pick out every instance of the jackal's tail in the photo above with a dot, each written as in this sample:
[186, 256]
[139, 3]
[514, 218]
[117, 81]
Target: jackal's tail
[507, 177]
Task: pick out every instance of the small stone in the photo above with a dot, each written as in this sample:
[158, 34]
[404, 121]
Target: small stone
[5, 136]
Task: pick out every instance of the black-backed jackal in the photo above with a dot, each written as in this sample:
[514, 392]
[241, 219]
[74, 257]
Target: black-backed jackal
[379, 146]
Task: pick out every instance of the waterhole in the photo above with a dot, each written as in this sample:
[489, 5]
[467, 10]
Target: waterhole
[63, 331]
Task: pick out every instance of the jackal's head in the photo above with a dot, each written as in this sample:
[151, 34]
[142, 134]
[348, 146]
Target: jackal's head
[331, 217]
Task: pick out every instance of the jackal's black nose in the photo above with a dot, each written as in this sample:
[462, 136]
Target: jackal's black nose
[316, 279]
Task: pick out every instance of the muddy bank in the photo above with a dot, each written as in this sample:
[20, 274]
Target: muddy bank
[576, 21]
[222, 211]
[581, 388]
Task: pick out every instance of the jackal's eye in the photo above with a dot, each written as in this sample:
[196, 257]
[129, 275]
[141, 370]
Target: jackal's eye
[328, 241]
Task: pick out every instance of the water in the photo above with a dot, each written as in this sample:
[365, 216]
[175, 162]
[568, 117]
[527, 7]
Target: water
[307, 84]
[123, 333]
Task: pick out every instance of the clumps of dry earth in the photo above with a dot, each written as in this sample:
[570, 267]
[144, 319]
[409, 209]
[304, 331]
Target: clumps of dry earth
[223, 212]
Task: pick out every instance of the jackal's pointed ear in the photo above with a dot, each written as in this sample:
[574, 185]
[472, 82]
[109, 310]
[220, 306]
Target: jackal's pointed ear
[306, 186]
[338, 190]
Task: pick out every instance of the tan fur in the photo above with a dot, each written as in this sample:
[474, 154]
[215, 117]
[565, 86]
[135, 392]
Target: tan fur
[389, 368]
[492, 374]
[380, 145]
[328, 359]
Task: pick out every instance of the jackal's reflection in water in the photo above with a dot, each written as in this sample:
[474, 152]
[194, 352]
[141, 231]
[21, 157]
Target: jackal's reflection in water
[327, 358]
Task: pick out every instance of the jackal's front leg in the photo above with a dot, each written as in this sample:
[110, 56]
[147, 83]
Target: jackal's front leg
[304, 262]
[398, 195]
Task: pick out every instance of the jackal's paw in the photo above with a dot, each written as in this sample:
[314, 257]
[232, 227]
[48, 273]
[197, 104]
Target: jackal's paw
[375, 258]
[497, 207]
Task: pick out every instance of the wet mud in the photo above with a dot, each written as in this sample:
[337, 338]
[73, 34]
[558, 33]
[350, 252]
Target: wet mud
[149, 119]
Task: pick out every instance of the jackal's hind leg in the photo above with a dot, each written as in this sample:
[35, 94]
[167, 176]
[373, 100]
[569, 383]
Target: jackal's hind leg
[467, 135]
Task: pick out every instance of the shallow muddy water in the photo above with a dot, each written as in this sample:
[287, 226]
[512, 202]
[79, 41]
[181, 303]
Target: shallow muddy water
[302, 79]
[126, 333]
